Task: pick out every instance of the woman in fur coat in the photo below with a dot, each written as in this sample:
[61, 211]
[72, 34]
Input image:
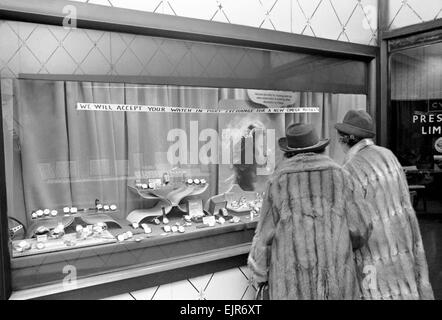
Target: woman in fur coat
[392, 265]
[310, 220]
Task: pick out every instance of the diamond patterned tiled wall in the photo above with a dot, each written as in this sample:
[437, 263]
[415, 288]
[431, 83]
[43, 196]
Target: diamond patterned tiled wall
[349, 20]
[34, 48]
[407, 12]
[44, 49]
[233, 284]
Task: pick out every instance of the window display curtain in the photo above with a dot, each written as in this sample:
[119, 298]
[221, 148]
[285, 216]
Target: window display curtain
[332, 109]
[64, 157]
[71, 158]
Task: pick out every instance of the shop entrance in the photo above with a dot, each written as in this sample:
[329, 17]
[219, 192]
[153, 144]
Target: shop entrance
[416, 114]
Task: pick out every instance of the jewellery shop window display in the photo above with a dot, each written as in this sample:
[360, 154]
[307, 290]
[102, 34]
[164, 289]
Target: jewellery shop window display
[98, 172]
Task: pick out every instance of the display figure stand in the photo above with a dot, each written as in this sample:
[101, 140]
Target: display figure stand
[168, 197]
[232, 195]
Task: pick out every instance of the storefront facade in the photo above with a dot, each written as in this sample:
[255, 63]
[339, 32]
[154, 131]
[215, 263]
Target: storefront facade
[57, 155]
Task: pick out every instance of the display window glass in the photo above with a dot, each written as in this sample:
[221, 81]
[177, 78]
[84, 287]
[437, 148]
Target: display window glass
[416, 102]
[118, 169]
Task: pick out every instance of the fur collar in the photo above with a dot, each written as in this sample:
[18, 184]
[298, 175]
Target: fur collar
[306, 162]
[357, 148]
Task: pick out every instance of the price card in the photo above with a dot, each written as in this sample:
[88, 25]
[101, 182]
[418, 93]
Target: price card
[155, 183]
[209, 220]
[42, 238]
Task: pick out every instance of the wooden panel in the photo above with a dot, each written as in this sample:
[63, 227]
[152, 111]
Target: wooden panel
[28, 272]
[348, 78]
[105, 290]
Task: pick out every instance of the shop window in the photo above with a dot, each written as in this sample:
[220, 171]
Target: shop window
[115, 144]
[416, 102]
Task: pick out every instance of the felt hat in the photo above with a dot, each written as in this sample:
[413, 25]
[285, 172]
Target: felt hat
[358, 123]
[302, 138]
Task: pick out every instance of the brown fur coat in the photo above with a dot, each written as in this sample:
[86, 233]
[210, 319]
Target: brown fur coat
[394, 252]
[302, 245]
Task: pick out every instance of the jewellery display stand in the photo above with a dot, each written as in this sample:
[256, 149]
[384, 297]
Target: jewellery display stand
[232, 195]
[235, 193]
[54, 245]
[168, 198]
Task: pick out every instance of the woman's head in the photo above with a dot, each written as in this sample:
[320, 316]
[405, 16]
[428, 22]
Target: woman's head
[347, 140]
[356, 126]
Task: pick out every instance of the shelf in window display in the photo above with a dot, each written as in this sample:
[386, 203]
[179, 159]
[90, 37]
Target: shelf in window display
[139, 238]
[240, 201]
[171, 190]
[55, 245]
[78, 213]
[68, 220]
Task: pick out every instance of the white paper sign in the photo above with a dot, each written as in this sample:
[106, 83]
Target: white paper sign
[162, 109]
[272, 99]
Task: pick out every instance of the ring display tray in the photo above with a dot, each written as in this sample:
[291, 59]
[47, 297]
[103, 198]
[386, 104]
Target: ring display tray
[234, 194]
[54, 245]
[151, 194]
[86, 217]
[169, 197]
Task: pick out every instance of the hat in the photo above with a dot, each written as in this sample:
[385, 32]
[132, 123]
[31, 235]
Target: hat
[357, 123]
[302, 138]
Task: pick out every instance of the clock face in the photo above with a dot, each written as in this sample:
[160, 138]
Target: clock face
[438, 145]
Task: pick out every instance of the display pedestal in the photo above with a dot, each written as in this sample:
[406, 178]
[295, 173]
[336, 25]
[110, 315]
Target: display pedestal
[83, 218]
[168, 198]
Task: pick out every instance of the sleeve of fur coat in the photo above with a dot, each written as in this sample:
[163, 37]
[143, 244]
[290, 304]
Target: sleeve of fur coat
[421, 267]
[358, 214]
[259, 257]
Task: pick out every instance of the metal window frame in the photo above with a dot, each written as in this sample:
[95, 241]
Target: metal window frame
[112, 19]
[412, 29]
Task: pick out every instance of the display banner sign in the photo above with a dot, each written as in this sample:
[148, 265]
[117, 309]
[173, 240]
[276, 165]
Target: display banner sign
[163, 109]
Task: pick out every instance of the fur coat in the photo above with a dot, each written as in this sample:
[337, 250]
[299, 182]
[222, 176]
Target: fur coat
[392, 265]
[302, 245]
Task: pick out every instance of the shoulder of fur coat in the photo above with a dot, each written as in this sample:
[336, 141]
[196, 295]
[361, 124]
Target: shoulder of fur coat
[308, 162]
[305, 162]
[371, 162]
